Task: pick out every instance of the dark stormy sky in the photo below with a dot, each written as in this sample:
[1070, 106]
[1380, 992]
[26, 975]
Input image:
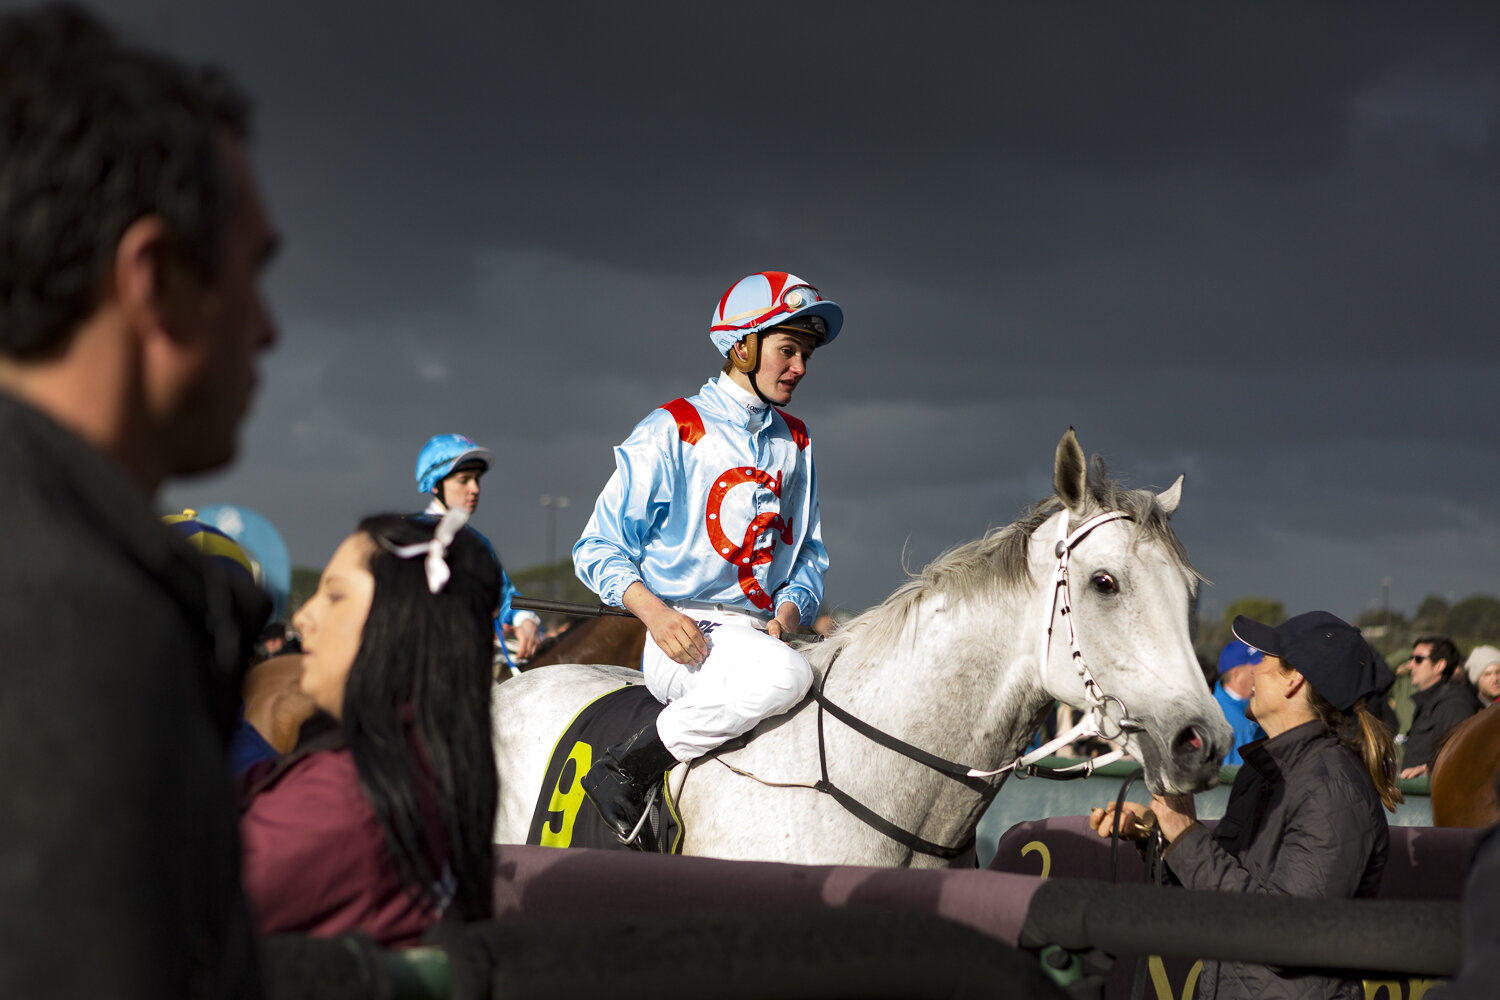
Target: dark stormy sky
[1254, 243]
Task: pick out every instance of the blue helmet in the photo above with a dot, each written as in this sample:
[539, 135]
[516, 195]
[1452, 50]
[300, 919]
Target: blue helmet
[444, 453]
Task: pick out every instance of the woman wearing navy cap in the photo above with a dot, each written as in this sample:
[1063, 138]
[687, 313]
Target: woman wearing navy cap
[1304, 816]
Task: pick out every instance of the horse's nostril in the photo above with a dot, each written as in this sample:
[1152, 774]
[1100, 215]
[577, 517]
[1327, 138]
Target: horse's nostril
[1189, 740]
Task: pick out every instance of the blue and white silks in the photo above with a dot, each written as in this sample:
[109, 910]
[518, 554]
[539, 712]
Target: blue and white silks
[722, 510]
[714, 501]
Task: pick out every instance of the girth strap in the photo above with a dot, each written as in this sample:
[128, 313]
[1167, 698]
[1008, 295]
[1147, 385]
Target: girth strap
[863, 812]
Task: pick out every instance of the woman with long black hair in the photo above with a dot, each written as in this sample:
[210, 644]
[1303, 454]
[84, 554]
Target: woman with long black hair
[385, 825]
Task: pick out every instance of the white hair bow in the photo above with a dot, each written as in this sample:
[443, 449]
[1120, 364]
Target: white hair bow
[436, 551]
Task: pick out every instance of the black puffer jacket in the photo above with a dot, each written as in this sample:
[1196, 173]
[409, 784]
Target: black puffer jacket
[1303, 819]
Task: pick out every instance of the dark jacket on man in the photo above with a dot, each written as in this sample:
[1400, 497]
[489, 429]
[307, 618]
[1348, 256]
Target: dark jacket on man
[1435, 712]
[1303, 819]
[119, 856]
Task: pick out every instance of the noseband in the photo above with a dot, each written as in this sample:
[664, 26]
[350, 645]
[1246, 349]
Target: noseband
[1095, 722]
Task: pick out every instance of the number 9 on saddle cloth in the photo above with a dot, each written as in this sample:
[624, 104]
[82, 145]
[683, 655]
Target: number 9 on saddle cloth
[562, 817]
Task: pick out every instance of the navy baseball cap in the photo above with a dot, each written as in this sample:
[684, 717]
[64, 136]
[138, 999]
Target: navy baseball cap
[1328, 651]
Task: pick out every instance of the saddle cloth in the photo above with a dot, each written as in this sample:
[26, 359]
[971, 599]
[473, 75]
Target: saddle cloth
[563, 817]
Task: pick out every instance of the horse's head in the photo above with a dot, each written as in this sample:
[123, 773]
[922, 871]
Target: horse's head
[1131, 592]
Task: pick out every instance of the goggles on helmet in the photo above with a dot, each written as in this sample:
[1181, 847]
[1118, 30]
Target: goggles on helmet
[768, 299]
[793, 299]
[800, 296]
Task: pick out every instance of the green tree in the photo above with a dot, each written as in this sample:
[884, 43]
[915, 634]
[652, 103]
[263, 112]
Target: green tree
[1476, 618]
[1214, 635]
[555, 582]
[1432, 615]
[1262, 609]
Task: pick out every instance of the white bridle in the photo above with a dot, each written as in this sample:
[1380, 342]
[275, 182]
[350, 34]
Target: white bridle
[1095, 721]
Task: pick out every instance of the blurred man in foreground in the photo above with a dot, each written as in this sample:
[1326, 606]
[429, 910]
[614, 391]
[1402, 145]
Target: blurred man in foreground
[132, 238]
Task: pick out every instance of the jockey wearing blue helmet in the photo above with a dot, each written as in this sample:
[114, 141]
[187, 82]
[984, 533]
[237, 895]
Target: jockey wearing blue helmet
[444, 454]
[449, 467]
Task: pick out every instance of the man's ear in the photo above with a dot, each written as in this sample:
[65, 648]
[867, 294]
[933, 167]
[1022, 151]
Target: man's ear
[145, 281]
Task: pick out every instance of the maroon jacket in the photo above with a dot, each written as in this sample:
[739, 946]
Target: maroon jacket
[316, 860]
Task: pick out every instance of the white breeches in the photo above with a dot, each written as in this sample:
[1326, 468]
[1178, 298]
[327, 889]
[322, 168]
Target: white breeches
[748, 676]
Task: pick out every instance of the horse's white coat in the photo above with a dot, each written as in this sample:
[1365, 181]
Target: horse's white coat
[950, 669]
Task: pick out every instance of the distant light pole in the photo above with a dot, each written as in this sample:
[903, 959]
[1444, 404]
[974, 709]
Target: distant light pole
[553, 505]
[1385, 586]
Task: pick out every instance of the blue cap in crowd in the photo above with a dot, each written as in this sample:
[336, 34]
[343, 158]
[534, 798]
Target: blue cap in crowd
[1237, 654]
[1328, 651]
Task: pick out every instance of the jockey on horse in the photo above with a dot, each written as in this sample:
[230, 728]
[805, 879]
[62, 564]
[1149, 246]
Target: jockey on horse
[709, 533]
[449, 468]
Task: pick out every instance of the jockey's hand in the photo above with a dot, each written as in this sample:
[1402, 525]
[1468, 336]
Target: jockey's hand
[526, 639]
[1136, 821]
[1175, 814]
[679, 637]
[784, 626]
[674, 633]
[1419, 771]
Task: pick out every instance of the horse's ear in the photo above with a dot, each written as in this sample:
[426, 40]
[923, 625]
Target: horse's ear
[1169, 498]
[1070, 475]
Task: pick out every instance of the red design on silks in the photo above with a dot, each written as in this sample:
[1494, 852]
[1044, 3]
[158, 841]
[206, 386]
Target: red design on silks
[689, 421]
[745, 555]
[798, 429]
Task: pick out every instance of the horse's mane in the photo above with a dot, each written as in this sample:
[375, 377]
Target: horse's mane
[968, 571]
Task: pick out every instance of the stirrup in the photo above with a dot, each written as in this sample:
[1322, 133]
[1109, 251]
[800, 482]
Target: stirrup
[635, 833]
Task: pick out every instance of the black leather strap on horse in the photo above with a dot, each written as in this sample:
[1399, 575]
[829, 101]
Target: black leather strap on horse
[863, 812]
[958, 772]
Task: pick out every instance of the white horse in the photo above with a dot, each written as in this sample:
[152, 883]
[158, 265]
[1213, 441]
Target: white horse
[956, 663]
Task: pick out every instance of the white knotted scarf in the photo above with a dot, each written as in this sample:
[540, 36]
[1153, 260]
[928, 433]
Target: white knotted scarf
[435, 552]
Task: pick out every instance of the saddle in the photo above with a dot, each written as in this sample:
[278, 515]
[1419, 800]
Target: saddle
[563, 817]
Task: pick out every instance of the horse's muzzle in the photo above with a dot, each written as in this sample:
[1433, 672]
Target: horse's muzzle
[1189, 761]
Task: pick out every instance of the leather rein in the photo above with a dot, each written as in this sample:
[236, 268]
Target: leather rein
[1095, 721]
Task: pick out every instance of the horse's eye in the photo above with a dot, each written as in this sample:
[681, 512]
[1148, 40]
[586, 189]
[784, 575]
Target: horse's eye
[1104, 583]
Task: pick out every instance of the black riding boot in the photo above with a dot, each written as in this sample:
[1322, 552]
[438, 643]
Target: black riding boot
[619, 782]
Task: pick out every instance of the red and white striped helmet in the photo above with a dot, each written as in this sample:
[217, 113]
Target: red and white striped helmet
[768, 299]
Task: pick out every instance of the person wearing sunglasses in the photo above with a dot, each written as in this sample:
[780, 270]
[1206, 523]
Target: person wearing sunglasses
[709, 532]
[1439, 702]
